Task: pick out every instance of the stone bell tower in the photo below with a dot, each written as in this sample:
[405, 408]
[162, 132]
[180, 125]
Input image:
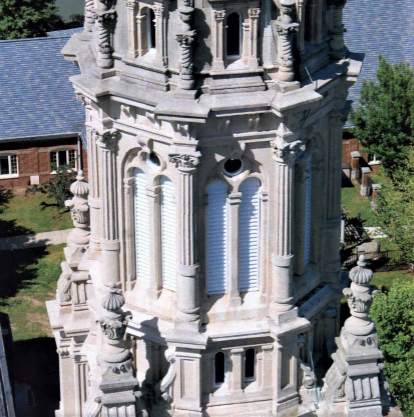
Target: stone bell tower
[211, 278]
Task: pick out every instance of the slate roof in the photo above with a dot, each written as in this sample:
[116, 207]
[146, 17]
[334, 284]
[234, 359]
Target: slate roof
[36, 98]
[377, 27]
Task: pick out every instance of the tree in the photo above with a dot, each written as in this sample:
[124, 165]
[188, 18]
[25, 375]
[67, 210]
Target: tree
[395, 207]
[384, 122]
[56, 187]
[393, 314]
[28, 18]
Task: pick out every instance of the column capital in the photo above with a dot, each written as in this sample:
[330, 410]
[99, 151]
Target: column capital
[107, 138]
[185, 162]
[219, 15]
[287, 152]
[253, 13]
[338, 4]
[158, 10]
[130, 4]
[337, 117]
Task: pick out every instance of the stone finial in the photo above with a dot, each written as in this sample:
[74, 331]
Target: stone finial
[80, 188]
[114, 300]
[360, 274]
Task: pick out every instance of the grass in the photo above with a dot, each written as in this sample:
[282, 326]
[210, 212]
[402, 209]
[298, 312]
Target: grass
[27, 280]
[386, 280]
[353, 202]
[32, 214]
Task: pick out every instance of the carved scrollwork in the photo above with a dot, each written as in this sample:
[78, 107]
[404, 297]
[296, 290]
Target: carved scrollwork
[185, 161]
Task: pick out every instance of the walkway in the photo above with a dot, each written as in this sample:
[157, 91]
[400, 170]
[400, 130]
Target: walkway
[33, 241]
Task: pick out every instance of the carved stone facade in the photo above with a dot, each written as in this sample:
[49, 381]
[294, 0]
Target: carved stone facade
[212, 275]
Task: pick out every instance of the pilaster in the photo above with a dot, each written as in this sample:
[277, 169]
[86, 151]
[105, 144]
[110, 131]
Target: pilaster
[107, 143]
[218, 39]
[132, 28]
[160, 33]
[254, 14]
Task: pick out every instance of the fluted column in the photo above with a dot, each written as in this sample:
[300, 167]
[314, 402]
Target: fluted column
[94, 201]
[132, 28]
[160, 32]
[187, 288]
[286, 27]
[253, 14]
[218, 39]
[107, 142]
[334, 176]
[337, 41]
[285, 156]
[89, 16]
[104, 15]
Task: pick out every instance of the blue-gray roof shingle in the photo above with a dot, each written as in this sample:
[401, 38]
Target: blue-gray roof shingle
[36, 97]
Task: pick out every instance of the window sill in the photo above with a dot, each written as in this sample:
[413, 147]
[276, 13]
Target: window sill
[374, 163]
[5, 177]
[68, 171]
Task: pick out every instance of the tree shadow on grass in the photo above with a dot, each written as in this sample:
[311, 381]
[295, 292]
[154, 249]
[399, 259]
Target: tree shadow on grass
[35, 363]
[18, 271]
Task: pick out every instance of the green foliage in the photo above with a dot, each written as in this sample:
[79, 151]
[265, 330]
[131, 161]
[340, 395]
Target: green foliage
[28, 18]
[395, 212]
[393, 314]
[384, 123]
[57, 187]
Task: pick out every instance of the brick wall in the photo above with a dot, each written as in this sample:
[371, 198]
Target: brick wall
[34, 159]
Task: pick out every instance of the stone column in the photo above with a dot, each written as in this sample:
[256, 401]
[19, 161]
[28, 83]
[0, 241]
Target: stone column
[160, 34]
[301, 20]
[218, 39]
[185, 39]
[104, 15]
[268, 48]
[334, 176]
[94, 201]
[89, 16]
[337, 41]
[286, 27]
[132, 28]
[315, 18]
[107, 143]
[236, 371]
[253, 14]
[187, 288]
[285, 157]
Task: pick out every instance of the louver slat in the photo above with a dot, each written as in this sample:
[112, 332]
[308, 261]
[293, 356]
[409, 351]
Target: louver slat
[168, 235]
[142, 238]
[308, 212]
[216, 242]
[249, 235]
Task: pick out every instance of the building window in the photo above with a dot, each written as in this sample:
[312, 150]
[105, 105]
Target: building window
[373, 159]
[8, 165]
[151, 30]
[249, 235]
[216, 239]
[65, 158]
[142, 228]
[233, 36]
[219, 369]
[168, 234]
[250, 365]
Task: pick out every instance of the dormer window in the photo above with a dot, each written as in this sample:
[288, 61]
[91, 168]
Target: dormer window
[233, 36]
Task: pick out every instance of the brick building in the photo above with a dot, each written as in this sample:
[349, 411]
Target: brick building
[40, 120]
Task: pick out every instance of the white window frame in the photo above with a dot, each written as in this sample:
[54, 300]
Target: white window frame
[374, 160]
[10, 174]
[67, 159]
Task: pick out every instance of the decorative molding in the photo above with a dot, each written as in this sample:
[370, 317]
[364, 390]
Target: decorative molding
[185, 162]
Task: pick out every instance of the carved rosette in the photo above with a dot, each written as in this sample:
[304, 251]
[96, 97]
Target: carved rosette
[286, 27]
[185, 162]
[105, 15]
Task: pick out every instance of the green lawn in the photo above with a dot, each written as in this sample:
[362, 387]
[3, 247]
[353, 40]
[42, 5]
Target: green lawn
[32, 214]
[354, 202]
[28, 278]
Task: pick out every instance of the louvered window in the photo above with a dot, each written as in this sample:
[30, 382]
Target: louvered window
[249, 235]
[308, 211]
[142, 228]
[168, 234]
[216, 242]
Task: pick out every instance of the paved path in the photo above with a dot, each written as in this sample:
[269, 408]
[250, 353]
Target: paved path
[32, 241]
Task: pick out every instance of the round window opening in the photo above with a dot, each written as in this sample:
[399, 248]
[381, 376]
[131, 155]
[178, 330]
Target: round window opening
[153, 159]
[233, 166]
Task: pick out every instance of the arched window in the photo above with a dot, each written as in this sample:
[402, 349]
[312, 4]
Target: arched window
[249, 235]
[216, 240]
[142, 228]
[168, 234]
[308, 211]
[219, 368]
[151, 29]
[250, 365]
[233, 35]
